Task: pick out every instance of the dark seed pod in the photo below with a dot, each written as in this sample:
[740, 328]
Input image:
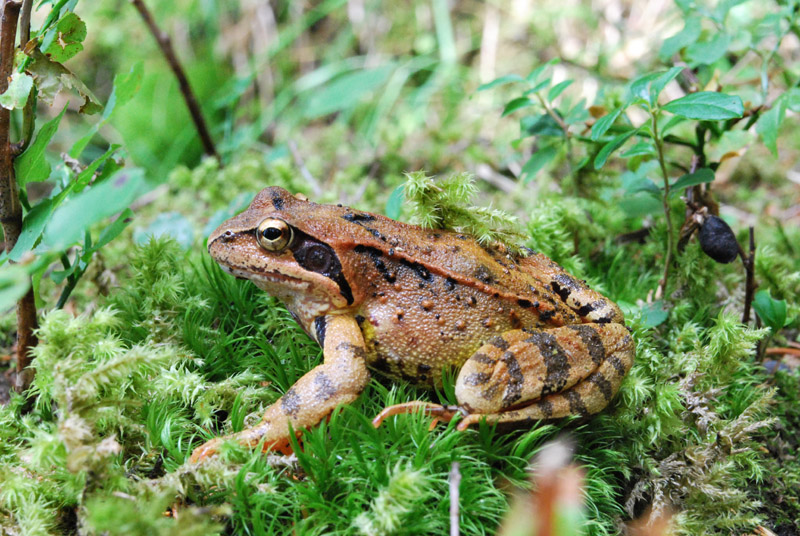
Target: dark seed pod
[718, 241]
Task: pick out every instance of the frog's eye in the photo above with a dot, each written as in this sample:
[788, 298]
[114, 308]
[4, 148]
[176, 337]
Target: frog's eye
[274, 235]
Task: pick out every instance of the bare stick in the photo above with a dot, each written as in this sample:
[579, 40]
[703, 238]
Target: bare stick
[10, 207]
[165, 43]
[455, 482]
[749, 266]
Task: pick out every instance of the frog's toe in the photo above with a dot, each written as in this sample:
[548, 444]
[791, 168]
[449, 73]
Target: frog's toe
[443, 413]
[206, 450]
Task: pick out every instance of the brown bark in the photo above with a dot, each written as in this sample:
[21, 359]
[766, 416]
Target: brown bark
[10, 207]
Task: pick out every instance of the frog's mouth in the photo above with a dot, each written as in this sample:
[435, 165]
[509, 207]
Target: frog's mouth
[271, 277]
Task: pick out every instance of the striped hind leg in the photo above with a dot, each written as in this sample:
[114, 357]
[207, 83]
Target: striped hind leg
[548, 374]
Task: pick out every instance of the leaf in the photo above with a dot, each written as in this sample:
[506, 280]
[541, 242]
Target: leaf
[83, 178]
[687, 36]
[516, 104]
[578, 113]
[69, 33]
[73, 218]
[51, 78]
[654, 314]
[640, 88]
[112, 231]
[537, 72]
[769, 124]
[345, 91]
[17, 93]
[32, 227]
[125, 87]
[542, 125]
[658, 85]
[394, 204]
[642, 148]
[14, 283]
[557, 89]
[707, 106]
[507, 79]
[537, 161]
[701, 176]
[610, 147]
[31, 166]
[771, 311]
[604, 123]
[708, 52]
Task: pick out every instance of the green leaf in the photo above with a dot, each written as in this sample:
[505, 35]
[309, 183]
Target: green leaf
[516, 104]
[537, 72]
[542, 125]
[557, 89]
[538, 87]
[701, 176]
[708, 52]
[507, 79]
[112, 231]
[658, 85]
[537, 161]
[604, 123]
[769, 124]
[125, 87]
[69, 34]
[653, 314]
[346, 91]
[17, 93]
[706, 106]
[32, 227]
[793, 99]
[394, 204]
[31, 166]
[578, 113]
[771, 311]
[14, 283]
[640, 88]
[687, 36]
[73, 218]
[642, 148]
[83, 178]
[610, 147]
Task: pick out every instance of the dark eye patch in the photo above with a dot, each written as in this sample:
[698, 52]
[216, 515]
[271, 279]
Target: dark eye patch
[318, 257]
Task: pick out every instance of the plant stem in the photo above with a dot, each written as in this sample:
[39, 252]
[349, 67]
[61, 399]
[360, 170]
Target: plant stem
[165, 43]
[662, 285]
[749, 266]
[10, 206]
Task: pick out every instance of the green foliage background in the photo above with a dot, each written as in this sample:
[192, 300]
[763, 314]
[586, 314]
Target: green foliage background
[157, 350]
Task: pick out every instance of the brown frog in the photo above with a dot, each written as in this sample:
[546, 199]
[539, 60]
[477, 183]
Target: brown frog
[528, 340]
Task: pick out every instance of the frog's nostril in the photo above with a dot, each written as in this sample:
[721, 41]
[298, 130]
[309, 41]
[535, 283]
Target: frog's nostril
[227, 236]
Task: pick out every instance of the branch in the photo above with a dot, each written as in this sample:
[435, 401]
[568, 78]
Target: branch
[749, 262]
[165, 44]
[10, 207]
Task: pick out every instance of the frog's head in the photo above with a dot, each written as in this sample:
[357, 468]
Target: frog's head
[267, 245]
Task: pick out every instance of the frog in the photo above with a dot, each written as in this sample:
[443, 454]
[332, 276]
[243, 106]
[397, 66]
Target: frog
[525, 340]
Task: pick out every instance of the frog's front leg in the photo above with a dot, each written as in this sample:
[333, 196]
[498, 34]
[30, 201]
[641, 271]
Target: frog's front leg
[339, 380]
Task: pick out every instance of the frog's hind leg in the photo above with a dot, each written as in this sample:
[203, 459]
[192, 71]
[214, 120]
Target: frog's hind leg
[550, 374]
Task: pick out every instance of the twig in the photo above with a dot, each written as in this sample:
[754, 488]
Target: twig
[28, 115]
[454, 482]
[749, 262]
[165, 43]
[10, 207]
[783, 351]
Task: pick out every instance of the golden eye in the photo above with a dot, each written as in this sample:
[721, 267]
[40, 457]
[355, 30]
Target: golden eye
[274, 235]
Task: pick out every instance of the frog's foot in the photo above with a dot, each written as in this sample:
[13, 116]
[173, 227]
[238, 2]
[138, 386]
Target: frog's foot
[211, 448]
[206, 450]
[439, 412]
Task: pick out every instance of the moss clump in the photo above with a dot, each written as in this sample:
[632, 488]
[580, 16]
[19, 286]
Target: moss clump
[447, 204]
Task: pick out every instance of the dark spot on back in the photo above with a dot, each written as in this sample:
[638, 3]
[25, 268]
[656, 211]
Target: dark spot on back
[277, 201]
[290, 402]
[377, 260]
[418, 269]
[450, 284]
[545, 316]
[358, 217]
[499, 342]
[524, 303]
